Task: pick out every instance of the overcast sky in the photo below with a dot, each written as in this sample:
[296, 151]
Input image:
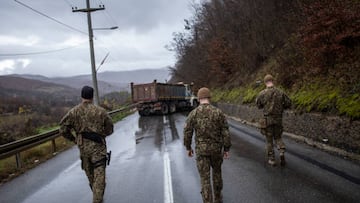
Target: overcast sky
[145, 27]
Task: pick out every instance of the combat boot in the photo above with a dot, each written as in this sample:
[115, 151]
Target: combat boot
[282, 159]
[272, 162]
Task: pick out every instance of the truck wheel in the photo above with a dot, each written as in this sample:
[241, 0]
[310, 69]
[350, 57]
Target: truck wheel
[172, 107]
[146, 112]
[164, 109]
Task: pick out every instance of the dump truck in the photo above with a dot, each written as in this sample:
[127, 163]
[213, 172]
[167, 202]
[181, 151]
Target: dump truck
[162, 98]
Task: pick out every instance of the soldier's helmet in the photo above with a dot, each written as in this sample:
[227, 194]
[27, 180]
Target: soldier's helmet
[203, 93]
[268, 78]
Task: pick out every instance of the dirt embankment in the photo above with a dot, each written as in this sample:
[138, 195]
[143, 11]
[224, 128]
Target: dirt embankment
[332, 133]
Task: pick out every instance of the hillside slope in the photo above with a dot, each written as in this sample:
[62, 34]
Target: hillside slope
[11, 86]
[110, 81]
[311, 47]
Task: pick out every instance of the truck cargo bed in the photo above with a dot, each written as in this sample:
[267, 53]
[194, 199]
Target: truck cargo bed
[157, 92]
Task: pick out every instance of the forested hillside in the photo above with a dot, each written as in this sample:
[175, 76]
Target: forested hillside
[312, 47]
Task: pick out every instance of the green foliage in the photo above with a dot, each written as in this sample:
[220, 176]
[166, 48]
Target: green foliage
[239, 95]
[349, 106]
[44, 129]
[233, 95]
[250, 95]
[326, 98]
[314, 97]
[318, 97]
[7, 166]
[217, 95]
[119, 116]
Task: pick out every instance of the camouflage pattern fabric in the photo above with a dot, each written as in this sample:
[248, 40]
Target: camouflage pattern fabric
[273, 133]
[212, 138]
[204, 163]
[273, 102]
[211, 129]
[87, 117]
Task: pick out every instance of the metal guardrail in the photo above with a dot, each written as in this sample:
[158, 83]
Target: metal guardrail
[16, 147]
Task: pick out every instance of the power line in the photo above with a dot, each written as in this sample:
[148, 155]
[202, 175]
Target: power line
[108, 15]
[51, 18]
[37, 53]
[66, 1]
[111, 18]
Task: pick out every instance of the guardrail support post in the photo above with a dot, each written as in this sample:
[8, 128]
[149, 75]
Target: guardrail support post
[53, 146]
[18, 160]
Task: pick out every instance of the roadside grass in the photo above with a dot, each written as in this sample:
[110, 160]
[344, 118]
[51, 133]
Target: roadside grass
[47, 128]
[38, 154]
[241, 95]
[119, 116]
[30, 158]
[326, 98]
[316, 97]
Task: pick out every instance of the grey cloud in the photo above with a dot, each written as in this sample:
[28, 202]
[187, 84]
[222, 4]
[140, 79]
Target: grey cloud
[152, 20]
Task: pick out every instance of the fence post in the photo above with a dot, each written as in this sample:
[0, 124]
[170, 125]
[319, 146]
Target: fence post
[18, 160]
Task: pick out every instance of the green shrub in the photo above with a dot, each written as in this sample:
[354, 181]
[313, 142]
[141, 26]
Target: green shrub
[236, 95]
[217, 95]
[233, 96]
[250, 95]
[319, 97]
[349, 106]
[326, 98]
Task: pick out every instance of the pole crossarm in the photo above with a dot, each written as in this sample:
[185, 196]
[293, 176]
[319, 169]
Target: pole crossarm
[88, 9]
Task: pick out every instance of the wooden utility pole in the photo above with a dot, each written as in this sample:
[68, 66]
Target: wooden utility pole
[88, 10]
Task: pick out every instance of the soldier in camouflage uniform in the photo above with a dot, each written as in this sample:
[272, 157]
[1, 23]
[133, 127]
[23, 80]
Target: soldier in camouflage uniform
[273, 102]
[212, 140]
[91, 125]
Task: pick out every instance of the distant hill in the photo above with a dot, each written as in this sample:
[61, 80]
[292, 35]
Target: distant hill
[12, 86]
[107, 81]
[136, 76]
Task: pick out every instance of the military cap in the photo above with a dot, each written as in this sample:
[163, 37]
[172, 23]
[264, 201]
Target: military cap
[268, 78]
[87, 92]
[203, 93]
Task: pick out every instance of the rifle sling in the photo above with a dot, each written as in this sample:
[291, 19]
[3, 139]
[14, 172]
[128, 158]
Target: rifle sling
[95, 137]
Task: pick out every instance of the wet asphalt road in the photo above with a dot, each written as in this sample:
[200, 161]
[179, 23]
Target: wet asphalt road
[149, 164]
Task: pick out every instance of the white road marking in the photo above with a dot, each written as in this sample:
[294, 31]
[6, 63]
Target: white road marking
[168, 190]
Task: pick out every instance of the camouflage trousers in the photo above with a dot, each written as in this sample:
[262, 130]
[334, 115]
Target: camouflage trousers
[273, 133]
[94, 166]
[204, 165]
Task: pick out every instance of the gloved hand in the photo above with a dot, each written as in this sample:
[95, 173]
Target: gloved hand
[190, 153]
[226, 155]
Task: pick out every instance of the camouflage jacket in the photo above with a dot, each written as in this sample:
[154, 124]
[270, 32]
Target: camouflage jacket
[211, 130]
[273, 102]
[86, 117]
